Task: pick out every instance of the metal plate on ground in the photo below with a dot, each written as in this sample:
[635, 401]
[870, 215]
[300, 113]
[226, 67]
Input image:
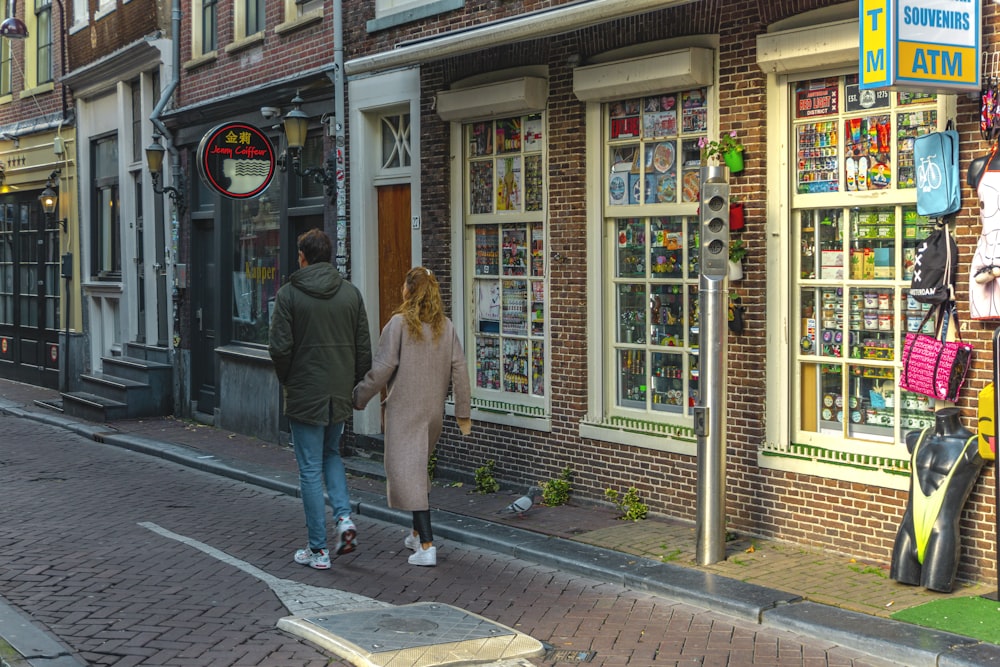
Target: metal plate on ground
[418, 635]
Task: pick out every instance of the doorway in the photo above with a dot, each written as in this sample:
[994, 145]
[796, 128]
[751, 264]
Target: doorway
[205, 307]
[29, 294]
[394, 247]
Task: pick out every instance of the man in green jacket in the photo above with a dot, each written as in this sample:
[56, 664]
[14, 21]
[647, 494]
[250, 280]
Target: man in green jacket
[320, 346]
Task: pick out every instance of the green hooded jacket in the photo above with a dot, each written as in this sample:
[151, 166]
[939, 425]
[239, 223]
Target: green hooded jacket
[319, 343]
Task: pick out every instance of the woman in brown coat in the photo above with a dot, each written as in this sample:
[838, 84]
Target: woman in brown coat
[419, 356]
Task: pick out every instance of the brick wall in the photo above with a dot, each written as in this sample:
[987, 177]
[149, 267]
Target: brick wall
[843, 517]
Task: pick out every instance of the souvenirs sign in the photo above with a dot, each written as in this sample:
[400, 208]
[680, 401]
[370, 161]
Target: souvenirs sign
[236, 160]
[929, 45]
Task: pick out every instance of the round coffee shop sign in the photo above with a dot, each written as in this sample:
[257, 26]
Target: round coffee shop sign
[236, 160]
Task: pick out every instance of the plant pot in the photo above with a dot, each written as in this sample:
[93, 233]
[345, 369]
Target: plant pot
[735, 271]
[734, 160]
[736, 217]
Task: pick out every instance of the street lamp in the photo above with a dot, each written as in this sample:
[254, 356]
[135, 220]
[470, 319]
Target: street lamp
[13, 27]
[49, 199]
[296, 123]
[154, 161]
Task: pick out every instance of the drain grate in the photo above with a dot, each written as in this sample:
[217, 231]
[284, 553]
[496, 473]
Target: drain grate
[569, 656]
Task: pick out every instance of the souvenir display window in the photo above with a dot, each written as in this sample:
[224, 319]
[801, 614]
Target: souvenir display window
[651, 192]
[852, 140]
[855, 259]
[854, 311]
[656, 298]
[505, 194]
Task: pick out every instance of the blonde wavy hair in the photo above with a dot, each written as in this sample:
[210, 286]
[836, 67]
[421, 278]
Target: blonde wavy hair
[422, 303]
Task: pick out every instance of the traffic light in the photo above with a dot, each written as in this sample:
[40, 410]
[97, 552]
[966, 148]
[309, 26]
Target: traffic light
[714, 214]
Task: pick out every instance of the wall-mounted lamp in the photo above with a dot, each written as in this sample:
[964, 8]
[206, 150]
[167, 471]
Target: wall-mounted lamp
[296, 124]
[13, 27]
[154, 161]
[49, 199]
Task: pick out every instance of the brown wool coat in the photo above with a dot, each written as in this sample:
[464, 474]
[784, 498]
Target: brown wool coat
[418, 374]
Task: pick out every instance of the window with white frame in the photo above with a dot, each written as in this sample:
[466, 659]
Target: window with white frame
[43, 41]
[651, 182]
[5, 67]
[106, 253]
[249, 16]
[296, 9]
[504, 182]
[204, 15]
[395, 140]
[81, 13]
[853, 258]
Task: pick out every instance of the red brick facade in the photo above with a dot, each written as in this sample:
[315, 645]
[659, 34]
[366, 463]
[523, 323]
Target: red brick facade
[845, 517]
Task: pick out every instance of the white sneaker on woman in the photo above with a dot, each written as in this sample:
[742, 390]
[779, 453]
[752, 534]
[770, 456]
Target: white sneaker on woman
[412, 542]
[424, 557]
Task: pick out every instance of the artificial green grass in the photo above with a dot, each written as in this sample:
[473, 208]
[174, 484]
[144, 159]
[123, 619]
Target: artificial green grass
[974, 617]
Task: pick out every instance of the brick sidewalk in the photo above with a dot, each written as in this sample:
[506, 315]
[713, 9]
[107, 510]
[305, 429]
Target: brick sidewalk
[818, 576]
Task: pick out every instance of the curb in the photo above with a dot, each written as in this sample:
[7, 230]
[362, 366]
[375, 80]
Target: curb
[38, 647]
[900, 642]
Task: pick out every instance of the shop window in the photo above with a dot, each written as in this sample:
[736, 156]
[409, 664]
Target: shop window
[505, 194]
[7, 263]
[652, 181]
[855, 260]
[256, 264]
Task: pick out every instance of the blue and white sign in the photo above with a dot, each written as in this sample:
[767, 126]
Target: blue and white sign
[932, 45]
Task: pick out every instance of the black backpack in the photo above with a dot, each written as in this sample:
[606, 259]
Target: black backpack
[935, 267]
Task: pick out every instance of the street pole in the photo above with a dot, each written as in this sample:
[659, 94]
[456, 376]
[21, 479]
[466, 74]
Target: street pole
[710, 413]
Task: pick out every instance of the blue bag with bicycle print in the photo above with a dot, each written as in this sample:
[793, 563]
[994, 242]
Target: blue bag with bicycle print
[935, 157]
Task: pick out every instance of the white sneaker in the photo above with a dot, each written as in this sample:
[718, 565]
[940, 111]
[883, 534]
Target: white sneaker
[316, 560]
[424, 557]
[412, 542]
[347, 534]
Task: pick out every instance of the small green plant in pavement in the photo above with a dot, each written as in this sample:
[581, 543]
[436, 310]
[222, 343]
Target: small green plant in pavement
[485, 482]
[630, 505]
[556, 491]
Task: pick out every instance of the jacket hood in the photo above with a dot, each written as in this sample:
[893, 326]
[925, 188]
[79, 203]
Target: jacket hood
[320, 280]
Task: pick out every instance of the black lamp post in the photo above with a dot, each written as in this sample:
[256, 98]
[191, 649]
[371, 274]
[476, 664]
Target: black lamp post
[49, 199]
[296, 123]
[154, 160]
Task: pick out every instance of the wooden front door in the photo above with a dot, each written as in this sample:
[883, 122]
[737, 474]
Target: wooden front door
[395, 251]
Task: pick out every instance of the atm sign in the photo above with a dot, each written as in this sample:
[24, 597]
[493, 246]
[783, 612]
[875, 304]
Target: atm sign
[920, 44]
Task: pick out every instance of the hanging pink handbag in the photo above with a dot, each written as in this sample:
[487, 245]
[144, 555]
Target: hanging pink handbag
[932, 366]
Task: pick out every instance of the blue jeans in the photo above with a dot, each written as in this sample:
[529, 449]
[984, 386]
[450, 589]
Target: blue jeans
[317, 451]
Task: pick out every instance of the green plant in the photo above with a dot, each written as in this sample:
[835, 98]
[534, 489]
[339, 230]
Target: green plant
[737, 251]
[630, 505]
[432, 466]
[725, 144]
[556, 491]
[485, 482]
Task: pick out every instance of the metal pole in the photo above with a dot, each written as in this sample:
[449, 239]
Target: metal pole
[996, 459]
[710, 415]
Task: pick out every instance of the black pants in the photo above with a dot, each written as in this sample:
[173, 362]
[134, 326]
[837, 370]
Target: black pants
[422, 524]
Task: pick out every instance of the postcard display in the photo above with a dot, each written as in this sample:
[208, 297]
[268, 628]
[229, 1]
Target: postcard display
[654, 159]
[505, 178]
[856, 262]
